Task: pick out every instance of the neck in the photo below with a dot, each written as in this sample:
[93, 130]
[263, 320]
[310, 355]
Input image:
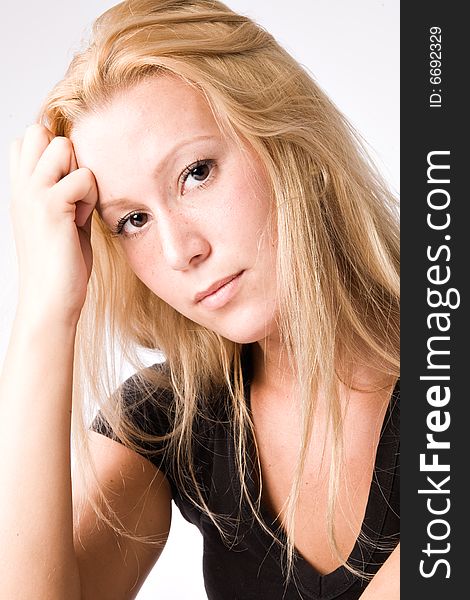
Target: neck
[271, 367]
[273, 372]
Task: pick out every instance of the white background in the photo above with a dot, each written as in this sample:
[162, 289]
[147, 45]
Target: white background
[350, 46]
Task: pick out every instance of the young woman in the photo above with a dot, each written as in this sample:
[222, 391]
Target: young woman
[238, 228]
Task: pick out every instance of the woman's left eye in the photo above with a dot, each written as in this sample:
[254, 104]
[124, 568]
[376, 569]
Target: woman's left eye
[196, 175]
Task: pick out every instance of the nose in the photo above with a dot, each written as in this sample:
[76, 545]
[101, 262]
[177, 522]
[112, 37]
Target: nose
[182, 242]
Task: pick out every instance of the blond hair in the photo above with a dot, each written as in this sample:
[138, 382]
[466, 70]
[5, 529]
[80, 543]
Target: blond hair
[337, 261]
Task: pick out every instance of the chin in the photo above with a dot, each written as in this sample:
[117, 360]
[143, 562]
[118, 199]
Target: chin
[241, 338]
[247, 328]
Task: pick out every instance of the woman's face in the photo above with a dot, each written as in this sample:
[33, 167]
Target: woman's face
[191, 207]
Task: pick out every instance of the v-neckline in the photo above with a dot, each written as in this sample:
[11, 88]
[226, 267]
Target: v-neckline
[307, 579]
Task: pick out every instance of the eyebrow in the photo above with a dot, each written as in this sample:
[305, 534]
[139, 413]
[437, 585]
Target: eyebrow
[105, 206]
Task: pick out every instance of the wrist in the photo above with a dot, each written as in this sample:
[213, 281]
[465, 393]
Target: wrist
[31, 321]
[33, 316]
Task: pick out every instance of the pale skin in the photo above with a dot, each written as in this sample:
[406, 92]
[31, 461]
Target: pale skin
[198, 211]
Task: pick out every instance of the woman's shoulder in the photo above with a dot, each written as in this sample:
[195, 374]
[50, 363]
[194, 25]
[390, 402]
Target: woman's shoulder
[146, 389]
[148, 402]
[141, 404]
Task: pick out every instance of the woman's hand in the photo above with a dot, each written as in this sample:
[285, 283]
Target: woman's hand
[52, 206]
[386, 583]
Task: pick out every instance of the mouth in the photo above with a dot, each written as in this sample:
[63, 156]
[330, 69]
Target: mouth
[219, 293]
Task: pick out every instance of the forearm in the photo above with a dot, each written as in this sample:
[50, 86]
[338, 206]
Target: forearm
[386, 583]
[36, 535]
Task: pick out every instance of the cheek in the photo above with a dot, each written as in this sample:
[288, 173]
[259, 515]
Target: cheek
[258, 227]
[247, 209]
[145, 262]
[136, 256]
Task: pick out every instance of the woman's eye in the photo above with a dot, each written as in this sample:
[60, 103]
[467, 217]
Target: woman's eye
[196, 175]
[128, 224]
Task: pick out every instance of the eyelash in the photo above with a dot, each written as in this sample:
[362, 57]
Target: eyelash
[119, 226]
[195, 165]
[117, 230]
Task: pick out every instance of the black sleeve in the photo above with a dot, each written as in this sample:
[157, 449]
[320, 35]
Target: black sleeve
[150, 411]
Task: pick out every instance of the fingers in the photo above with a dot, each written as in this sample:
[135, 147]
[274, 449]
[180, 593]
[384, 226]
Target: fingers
[73, 161]
[35, 141]
[49, 163]
[79, 191]
[56, 161]
[41, 157]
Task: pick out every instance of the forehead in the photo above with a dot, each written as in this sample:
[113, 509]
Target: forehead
[154, 113]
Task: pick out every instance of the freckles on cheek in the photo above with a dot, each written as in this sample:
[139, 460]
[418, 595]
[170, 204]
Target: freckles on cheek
[142, 256]
[153, 276]
[140, 265]
[135, 260]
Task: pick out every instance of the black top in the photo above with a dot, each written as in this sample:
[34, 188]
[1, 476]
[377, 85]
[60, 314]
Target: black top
[248, 565]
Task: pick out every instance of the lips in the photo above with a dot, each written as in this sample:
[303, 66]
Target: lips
[215, 287]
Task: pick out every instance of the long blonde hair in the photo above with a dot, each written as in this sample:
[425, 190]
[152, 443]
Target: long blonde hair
[337, 262]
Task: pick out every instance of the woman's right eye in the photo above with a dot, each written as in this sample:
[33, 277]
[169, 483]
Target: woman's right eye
[128, 225]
